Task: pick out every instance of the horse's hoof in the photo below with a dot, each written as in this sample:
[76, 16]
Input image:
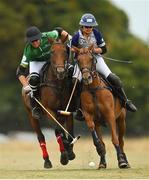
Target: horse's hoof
[102, 166]
[128, 165]
[122, 165]
[71, 155]
[64, 158]
[122, 162]
[47, 164]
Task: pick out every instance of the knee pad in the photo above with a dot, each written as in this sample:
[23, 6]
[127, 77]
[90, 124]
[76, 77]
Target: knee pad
[114, 80]
[34, 81]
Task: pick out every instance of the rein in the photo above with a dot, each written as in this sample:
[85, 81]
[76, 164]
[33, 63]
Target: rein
[99, 87]
[94, 74]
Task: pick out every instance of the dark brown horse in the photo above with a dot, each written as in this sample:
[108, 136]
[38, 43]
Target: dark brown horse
[54, 95]
[100, 106]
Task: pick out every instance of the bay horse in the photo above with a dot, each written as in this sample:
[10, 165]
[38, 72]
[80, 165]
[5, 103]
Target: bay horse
[100, 106]
[54, 95]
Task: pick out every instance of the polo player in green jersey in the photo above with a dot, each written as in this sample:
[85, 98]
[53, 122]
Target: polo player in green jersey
[36, 54]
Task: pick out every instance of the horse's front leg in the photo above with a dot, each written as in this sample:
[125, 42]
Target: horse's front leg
[121, 131]
[97, 143]
[102, 163]
[69, 146]
[41, 139]
[120, 156]
[61, 137]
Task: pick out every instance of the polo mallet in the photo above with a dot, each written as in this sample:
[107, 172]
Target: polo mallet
[74, 139]
[67, 112]
[117, 60]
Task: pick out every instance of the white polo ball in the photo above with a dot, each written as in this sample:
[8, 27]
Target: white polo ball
[91, 164]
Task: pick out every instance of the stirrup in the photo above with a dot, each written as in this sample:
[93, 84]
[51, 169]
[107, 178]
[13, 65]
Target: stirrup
[130, 106]
[79, 115]
[36, 113]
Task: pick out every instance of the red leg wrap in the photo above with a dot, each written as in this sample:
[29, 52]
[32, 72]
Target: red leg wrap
[44, 150]
[60, 142]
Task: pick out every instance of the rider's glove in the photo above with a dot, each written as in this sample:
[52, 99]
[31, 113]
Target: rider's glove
[69, 37]
[27, 89]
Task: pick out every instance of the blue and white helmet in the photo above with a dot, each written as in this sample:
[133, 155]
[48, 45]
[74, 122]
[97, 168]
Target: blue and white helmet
[88, 20]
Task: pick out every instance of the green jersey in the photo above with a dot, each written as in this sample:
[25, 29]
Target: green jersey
[42, 53]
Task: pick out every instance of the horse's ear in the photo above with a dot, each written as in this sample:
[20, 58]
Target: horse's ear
[75, 49]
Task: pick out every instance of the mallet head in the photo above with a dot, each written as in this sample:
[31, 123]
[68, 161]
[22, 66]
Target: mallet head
[75, 139]
[66, 113]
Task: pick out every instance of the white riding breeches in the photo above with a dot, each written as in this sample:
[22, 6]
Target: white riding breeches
[36, 66]
[101, 67]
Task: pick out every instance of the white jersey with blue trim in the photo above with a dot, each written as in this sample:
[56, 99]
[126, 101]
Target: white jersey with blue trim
[88, 41]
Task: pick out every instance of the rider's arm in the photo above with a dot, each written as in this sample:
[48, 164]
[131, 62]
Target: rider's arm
[100, 50]
[23, 80]
[22, 71]
[63, 35]
[21, 74]
[58, 33]
[101, 45]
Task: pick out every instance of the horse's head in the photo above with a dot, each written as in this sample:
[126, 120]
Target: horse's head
[86, 64]
[58, 59]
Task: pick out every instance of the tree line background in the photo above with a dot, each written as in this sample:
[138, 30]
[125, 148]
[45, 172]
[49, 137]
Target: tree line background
[16, 16]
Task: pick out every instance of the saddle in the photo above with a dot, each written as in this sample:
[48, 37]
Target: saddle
[113, 89]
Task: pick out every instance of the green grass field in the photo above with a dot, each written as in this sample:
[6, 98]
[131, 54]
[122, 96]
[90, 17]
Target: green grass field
[22, 160]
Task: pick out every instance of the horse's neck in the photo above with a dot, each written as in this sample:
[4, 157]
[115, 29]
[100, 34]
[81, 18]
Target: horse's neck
[97, 82]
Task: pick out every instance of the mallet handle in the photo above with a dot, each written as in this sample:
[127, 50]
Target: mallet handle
[53, 117]
[74, 87]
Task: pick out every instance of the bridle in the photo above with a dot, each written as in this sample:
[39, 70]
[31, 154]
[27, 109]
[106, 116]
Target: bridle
[87, 70]
[59, 69]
